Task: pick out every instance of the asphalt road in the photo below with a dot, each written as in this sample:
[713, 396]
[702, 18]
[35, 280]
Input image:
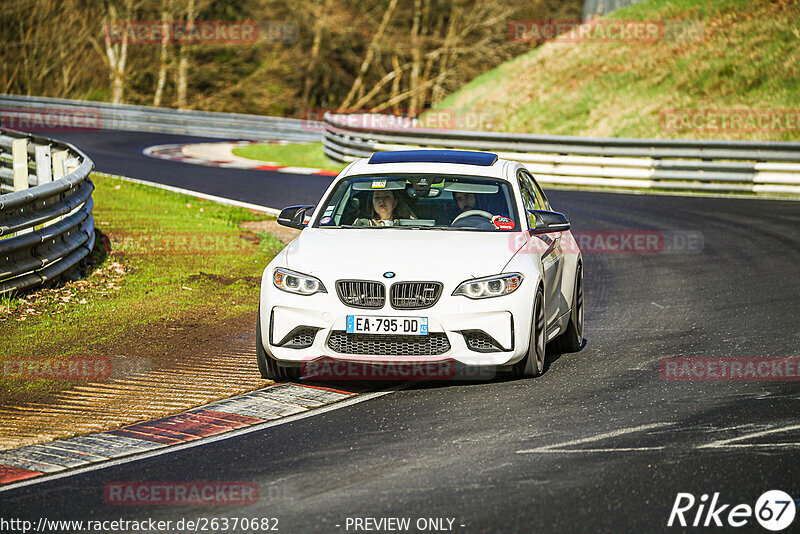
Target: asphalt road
[121, 153]
[600, 443]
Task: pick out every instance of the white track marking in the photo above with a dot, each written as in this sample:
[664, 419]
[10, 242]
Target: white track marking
[725, 443]
[559, 447]
[361, 397]
[572, 451]
[204, 196]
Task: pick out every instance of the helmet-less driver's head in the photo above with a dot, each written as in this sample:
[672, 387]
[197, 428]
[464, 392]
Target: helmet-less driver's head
[465, 201]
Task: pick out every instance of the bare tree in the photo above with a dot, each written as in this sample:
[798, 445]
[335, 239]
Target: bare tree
[370, 54]
[183, 57]
[164, 52]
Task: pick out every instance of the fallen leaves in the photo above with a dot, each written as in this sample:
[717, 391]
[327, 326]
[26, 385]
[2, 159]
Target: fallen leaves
[102, 281]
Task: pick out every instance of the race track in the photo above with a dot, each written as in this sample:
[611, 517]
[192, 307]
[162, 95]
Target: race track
[600, 443]
[121, 153]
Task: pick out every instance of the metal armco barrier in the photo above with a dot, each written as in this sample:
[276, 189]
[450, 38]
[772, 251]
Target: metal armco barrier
[31, 113]
[663, 164]
[46, 224]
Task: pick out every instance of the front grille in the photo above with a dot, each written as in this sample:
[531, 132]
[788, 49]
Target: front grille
[378, 345]
[301, 339]
[414, 295]
[361, 293]
[480, 341]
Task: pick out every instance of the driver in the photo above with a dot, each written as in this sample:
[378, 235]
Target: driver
[465, 201]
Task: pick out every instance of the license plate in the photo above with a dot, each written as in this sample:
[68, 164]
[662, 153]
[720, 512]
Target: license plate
[409, 326]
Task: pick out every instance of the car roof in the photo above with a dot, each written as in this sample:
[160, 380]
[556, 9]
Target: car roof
[457, 162]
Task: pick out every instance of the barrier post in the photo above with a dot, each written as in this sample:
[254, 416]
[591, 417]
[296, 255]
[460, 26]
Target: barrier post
[59, 164]
[44, 168]
[19, 157]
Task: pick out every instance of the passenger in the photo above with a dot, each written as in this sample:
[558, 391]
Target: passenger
[387, 207]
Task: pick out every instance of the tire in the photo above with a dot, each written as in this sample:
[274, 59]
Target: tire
[532, 365]
[267, 365]
[572, 338]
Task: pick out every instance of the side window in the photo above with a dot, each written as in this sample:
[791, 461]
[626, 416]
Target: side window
[528, 196]
[540, 198]
[526, 190]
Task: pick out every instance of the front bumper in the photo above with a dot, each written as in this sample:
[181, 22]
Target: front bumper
[506, 320]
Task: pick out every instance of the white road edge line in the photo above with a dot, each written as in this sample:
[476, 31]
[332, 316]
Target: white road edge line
[598, 437]
[725, 442]
[361, 397]
[204, 196]
[573, 451]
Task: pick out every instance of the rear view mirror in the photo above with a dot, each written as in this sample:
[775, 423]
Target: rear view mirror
[549, 221]
[294, 216]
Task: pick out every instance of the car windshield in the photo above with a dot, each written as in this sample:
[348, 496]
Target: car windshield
[420, 201]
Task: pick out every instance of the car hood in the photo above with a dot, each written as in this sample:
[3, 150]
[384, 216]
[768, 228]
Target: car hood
[411, 254]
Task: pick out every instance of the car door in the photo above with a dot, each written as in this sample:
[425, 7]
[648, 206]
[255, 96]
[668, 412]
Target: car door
[549, 244]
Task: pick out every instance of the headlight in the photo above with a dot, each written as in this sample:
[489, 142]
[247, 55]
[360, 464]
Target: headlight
[491, 286]
[301, 284]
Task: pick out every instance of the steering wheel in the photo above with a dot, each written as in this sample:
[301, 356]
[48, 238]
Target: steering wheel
[470, 213]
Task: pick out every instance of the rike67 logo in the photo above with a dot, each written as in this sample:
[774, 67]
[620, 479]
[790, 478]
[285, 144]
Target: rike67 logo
[774, 510]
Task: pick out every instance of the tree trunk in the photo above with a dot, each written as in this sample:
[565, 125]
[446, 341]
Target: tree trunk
[164, 57]
[416, 61]
[117, 55]
[315, 46]
[183, 61]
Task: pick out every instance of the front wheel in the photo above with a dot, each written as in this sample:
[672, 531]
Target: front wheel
[532, 364]
[572, 338]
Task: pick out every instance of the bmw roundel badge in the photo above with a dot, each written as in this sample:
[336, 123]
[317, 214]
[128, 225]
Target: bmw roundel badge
[388, 274]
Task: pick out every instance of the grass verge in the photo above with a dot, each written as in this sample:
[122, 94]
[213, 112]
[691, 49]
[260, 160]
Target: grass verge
[161, 258]
[295, 155]
[716, 56]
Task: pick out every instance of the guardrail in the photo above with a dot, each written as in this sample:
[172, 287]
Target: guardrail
[24, 113]
[46, 223]
[662, 164]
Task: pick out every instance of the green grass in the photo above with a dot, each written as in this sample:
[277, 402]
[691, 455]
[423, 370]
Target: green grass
[296, 155]
[183, 259]
[743, 55]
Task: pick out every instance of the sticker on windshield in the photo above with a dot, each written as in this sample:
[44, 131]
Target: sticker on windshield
[378, 184]
[502, 223]
[329, 210]
[325, 220]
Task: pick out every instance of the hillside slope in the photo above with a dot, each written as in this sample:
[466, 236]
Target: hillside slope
[714, 57]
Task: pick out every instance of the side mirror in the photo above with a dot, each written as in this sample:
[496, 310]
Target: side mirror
[294, 216]
[549, 221]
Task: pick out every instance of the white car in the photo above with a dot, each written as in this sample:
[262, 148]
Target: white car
[420, 257]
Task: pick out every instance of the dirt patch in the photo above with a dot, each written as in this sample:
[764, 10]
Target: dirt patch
[269, 226]
[164, 369]
[221, 279]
